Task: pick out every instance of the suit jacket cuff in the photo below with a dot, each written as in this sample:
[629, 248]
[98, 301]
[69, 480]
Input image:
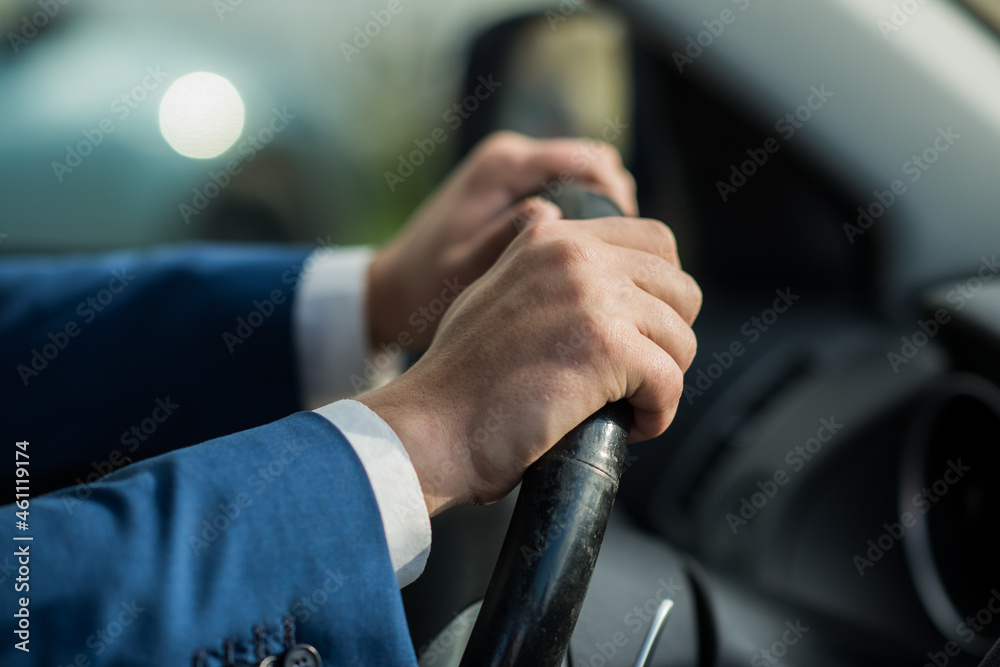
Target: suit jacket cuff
[394, 482]
[329, 322]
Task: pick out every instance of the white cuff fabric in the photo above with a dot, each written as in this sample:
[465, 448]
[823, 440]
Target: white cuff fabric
[393, 479]
[329, 322]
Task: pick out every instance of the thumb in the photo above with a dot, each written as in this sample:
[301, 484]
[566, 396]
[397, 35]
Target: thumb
[496, 235]
[532, 210]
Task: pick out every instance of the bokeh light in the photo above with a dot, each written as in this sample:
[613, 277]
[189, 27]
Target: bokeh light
[201, 115]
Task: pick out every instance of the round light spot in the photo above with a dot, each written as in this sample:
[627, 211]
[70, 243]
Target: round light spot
[201, 115]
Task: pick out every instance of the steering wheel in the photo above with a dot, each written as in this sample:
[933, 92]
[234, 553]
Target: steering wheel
[555, 534]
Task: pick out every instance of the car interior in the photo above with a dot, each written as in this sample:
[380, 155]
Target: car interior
[830, 172]
[797, 484]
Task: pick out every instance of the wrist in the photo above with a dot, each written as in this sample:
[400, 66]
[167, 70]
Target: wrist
[423, 428]
[381, 300]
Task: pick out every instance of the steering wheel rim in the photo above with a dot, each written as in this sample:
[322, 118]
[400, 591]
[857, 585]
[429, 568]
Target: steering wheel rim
[551, 546]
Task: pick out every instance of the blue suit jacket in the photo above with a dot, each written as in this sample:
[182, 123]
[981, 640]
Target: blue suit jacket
[270, 525]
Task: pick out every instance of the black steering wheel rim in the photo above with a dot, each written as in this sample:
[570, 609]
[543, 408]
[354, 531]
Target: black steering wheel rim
[555, 534]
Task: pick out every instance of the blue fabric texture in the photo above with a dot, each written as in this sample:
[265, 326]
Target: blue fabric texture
[191, 550]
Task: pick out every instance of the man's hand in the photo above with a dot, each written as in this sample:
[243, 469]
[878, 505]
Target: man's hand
[573, 315]
[459, 232]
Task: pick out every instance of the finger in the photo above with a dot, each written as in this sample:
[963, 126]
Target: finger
[650, 236]
[655, 386]
[524, 165]
[660, 323]
[585, 163]
[490, 241]
[648, 251]
[664, 281]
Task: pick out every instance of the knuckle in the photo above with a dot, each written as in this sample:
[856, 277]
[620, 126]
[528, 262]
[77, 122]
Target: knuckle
[538, 233]
[599, 147]
[575, 293]
[652, 269]
[499, 153]
[667, 239]
[610, 152]
[568, 254]
[491, 163]
[503, 143]
[610, 338]
[660, 238]
[531, 208]
[526, 207]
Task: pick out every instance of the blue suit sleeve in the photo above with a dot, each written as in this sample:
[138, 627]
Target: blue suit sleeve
[174, 555]
[111, 359]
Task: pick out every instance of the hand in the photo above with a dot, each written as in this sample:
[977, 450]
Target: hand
[462, 228]
[573, 315]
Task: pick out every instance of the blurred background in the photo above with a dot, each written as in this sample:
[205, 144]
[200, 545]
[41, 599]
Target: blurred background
[844, 151]
[355, 113]
[368, 83]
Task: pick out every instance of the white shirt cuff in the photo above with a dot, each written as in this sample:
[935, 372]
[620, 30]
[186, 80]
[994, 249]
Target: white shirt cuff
[329, 322]
[393, 480]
